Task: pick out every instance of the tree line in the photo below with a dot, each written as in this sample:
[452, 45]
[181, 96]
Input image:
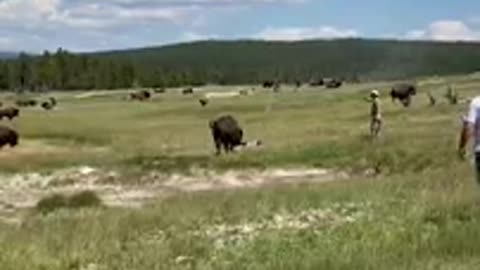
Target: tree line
[238, 62]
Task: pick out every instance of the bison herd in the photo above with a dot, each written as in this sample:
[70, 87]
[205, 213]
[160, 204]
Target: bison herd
[9, 136]
[225, 130]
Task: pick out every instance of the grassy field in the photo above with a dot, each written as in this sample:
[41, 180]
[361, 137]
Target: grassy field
[420, 212]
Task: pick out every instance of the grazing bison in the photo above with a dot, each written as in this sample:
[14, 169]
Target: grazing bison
[140, 95]
[47, 105]
[243, 92]
[159, 90]
[403, 92]
[53, 101]
[314, 83]
[187, 91]
[50, 104]
[26, 103]
[227, 133]
[203, 102]
[8, 136]
[9, 112]
[268, 84]
[332, 83]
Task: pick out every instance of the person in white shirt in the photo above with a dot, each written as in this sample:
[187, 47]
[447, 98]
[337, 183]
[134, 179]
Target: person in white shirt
[471, 128]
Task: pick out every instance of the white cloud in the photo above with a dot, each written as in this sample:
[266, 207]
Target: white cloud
[96, 13]
[192, 36]
[448, 30]
[301, 33]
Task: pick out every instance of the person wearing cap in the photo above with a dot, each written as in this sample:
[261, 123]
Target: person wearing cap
[471, 128]
[375, 114]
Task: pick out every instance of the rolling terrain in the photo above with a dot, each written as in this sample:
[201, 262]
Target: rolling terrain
[318, 194]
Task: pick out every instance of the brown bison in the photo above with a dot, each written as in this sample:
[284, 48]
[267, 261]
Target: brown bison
[314, 83]
[159, 90]
[332, 83]
[187, 91]
[203, 102]
[226, 133]
[268, 84]
[403, 92]
[140, 95]
[8, 136]
[26, 103]
[50, 104]
[9, 112]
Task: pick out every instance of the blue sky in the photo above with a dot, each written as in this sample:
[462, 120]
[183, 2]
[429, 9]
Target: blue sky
[89, 25]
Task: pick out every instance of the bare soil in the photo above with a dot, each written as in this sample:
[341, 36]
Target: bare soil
[23, 191]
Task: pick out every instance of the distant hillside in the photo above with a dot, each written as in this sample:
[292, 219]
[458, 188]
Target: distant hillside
[8, 55]
[253, 61]
[239, 62]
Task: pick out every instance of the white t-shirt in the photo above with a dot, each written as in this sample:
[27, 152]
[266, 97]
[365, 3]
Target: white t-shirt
[473, 118]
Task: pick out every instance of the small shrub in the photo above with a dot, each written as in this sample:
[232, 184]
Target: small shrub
[78, 200]
[84, 199]
[51, 203]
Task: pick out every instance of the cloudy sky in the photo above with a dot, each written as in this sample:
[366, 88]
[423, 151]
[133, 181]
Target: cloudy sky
[89, 25]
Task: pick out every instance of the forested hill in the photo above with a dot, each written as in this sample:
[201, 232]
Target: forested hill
[240, 62]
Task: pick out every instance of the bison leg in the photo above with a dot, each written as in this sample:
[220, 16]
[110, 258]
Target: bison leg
[218, 147]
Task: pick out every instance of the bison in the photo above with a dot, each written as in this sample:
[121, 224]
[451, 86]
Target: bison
[9, 112]
[226, 133]
[403, 92]
[8, 136]
[203, 102]
[159, 90]
[268, 84]
[26, 103]
[314, 83]
[53, 101]
[49, 104]
[332, 83]
[187, 91]
[140, 95]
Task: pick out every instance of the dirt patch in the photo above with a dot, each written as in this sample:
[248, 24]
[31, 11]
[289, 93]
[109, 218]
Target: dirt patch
[22, 191]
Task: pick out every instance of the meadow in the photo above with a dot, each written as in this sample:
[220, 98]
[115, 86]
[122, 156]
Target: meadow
[419, 211]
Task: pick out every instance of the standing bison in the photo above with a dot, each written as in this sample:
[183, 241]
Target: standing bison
[332, 83]
[8, 136]
[226, 133]
[26, 103]
[268, 84]
[404, 93]
[9, 112]
[187, 91]
[49, 104]
[140, 95]
[314, 83]
[203, 102]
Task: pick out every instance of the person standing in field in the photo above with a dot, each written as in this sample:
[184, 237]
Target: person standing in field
[471, 128]
[375, 114]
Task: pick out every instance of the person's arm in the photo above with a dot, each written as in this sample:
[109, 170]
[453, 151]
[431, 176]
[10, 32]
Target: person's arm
[467, 130]
[465, 134]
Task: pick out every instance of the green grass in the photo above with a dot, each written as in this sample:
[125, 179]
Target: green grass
[421, 212]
